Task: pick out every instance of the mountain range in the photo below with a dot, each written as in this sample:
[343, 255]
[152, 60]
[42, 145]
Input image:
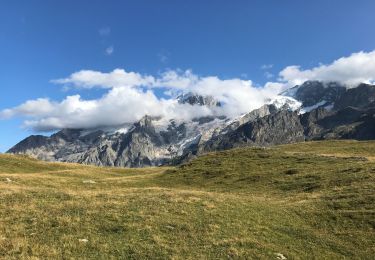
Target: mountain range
[313, 110]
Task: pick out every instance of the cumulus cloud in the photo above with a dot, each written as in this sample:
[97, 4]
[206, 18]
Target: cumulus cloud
[116, 78]
[236, 94]
[131, 95]
[37, 107]
[119, 106]
[357, 68]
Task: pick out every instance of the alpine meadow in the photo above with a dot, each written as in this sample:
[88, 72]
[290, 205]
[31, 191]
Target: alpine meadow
[187, 130]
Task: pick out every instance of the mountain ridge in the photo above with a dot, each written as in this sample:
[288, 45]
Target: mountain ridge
[311, 111]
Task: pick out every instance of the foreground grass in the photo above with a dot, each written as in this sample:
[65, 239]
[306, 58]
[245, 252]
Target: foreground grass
[308, 200]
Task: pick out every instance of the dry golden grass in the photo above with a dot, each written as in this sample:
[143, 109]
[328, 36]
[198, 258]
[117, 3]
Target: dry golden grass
[243, 203]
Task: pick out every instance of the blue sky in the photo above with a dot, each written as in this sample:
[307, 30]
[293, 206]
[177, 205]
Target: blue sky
[45, 40]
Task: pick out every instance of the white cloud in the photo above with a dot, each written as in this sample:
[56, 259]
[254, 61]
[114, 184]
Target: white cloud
[116, 78]
[358, 67]
[176, 79]
[131, 95]
[109, 50]
[118, 106]
[37, 107]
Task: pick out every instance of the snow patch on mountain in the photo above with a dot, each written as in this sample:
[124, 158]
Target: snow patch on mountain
[290, 92]
[286, 102]
[309, 108]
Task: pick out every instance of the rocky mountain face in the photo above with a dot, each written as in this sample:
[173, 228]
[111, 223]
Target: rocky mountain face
[276, 128]
[347, 123]
[192, 99]
[311, 111]
[338, 113]
[311, 93]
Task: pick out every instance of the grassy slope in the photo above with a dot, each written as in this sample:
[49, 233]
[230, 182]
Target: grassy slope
[309, 200]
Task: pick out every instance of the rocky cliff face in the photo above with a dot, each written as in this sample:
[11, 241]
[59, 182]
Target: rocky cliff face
[279, 127]
[312, 111]
[347, 123]
[311, 93]
[362, 96]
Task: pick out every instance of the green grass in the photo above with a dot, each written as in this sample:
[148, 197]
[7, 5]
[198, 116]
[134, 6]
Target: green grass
[307, 200]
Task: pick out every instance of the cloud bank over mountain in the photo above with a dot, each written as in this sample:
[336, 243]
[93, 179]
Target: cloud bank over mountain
[131, 95]
[357, 68]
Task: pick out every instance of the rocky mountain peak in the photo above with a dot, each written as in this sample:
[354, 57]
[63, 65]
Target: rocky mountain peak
[144, 122]
[195, 99]
[313, 92]
[68, 134]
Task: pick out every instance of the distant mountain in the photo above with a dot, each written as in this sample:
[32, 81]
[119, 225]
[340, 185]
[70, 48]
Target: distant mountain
[311, 111]
[311, 93]
[195, 99]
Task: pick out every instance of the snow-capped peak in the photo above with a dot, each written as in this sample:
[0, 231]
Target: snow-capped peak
[286, 102]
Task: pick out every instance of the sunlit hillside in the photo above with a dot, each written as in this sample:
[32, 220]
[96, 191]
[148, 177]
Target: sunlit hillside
[307, 200]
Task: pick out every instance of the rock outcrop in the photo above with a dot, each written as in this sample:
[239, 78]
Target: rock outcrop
[275, 128]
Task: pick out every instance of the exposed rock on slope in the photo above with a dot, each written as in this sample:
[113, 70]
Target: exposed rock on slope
[314, 92]
[347, 123]
[279, 127]
[362, 96]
